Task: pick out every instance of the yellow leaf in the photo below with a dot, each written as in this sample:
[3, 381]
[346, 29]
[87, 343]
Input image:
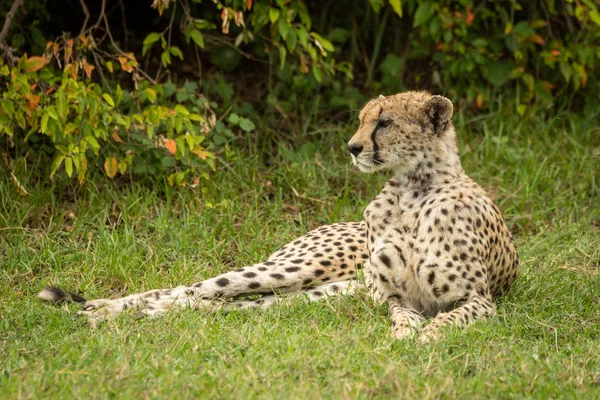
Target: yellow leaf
[34, 99]
[116, 137]
[88, 68]
[536, 38]
[110, 167]
[34, 63]
[20, 188]
[170, 145]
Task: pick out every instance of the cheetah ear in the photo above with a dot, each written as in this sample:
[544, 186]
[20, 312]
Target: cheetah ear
[439, 112]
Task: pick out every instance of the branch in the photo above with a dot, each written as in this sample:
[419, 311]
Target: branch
[9, 17]
[9, 51]
[101, 16]
[86, 12]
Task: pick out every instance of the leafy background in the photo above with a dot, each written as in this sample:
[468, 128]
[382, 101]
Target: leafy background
[133, 90]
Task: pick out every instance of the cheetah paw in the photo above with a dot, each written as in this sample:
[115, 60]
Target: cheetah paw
[429, 336]
[404, 333]
[96, 311]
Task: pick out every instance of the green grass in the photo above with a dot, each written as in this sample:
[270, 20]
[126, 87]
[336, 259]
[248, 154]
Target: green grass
[544, 343]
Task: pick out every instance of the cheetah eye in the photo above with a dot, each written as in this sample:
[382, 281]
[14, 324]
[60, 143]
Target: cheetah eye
[384, 123]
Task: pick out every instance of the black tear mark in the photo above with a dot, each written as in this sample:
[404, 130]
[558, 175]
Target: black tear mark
[376, 157]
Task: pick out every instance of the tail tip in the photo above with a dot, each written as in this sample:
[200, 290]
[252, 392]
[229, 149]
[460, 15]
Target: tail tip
[53, 294]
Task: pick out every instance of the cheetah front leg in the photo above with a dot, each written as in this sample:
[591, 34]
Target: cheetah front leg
[406, 321]
[327, 254]
[476, 307]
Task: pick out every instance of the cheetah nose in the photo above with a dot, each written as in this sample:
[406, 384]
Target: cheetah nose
[355, 149]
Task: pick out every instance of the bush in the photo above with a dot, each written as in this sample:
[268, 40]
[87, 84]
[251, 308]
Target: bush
[170, 94]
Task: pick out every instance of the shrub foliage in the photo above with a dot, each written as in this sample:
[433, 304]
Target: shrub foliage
[170, 94]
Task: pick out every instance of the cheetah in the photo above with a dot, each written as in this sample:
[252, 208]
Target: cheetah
[432, 242]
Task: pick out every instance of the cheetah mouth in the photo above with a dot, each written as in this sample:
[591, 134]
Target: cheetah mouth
[362, 166]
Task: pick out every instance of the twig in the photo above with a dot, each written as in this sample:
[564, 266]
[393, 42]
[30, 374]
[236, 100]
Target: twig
[170, 29]
[548, 19]
[124, 22]
[171, 24]
[199, 63]
[10, 15]
[218, 40]
[86, 12]
[377, 47]
[101, 16]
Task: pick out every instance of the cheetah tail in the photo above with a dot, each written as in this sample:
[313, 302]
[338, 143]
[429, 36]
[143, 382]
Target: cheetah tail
[58, 296]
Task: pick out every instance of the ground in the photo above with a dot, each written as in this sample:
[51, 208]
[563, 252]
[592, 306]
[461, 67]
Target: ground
[107, 241]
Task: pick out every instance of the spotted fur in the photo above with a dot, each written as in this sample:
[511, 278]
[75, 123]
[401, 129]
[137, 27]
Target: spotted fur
[432, 243]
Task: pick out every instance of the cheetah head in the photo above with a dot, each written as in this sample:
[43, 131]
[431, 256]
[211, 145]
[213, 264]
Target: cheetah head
[397, 132]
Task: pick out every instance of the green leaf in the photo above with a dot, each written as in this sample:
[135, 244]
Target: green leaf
[595, 17]
[340, 35]
[108, 98]
[291, 41]
[479, 43]
[233, 118]
[176, 52]
[284, 27]
[435, 26]
[149, 42]
[376, 5]
[204, 24]
[52, 113]
[247, 125]
[69, 166]
[282, 56]
[181, 109]
[392, 65]
[8, 107]
[196, 117]
[317, 74]
[423, 13]
[151, 94]
[169, 88]
[92, 142]
[44, 123]
[181, 96]
[197, 37]
[523, 29]
[152, 38]
[165, 58]
[397, 6]
[56, 164]
[190, 86]
[302, 36]
[498, 73]
[219, 139]
[566, 70]
[324, 42]
[273, 15]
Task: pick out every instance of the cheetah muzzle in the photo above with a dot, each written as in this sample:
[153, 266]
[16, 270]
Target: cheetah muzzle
[432, 243]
